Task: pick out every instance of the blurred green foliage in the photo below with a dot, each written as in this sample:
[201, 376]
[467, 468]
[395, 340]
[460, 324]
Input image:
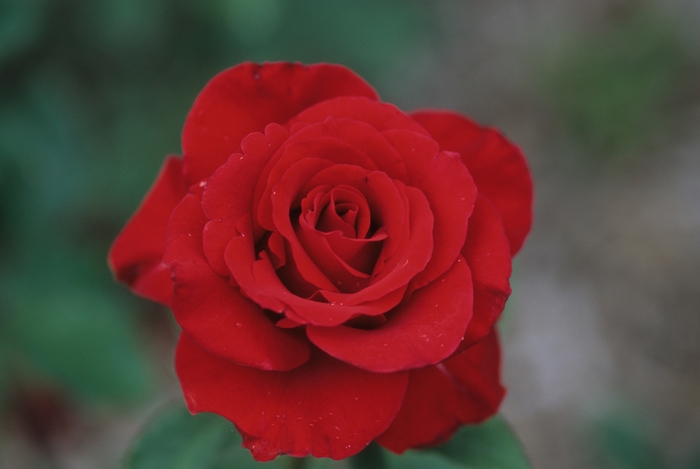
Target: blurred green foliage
[628, 440]
[616, 87]
[625, 442]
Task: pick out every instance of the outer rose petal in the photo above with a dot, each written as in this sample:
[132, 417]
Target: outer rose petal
[422, 331]
[497, 166]
[137, 253]
[465, 389]
[488, 256]
[247, 97]
[215, 314]
[325, 408]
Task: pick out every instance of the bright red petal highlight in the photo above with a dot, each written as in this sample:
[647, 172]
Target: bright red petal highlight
[325, 408]
[137, 254]
[422, 331]
[497, 166]
[465, 389]
[247, 97]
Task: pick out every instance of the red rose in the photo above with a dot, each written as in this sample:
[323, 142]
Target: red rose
[336, 265]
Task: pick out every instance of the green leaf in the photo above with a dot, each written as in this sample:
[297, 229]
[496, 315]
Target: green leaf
[372, 457]
[178, 440]
[423, 460]
[491, 445]
[175, 439]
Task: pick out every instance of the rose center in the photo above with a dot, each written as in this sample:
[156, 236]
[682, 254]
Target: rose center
[335, 229]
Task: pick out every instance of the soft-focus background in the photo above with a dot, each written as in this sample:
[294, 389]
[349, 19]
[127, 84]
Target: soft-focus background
[602, 334]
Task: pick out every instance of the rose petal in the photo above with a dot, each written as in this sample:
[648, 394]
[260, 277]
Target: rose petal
[497, 166]
[247, 97]
[465, 389]
[283, 195]
[450, 191]
[361, 135]
[337, 264]
[410, 257]
[381, 116]
[215, 314]
[423, 331]
[325, 408]
[387, 208]
[330, 150]
[137, 253]
[228, 194]
[260, 282]
[488, 255]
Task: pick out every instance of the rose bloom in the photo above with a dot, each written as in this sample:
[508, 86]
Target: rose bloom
[336, 265]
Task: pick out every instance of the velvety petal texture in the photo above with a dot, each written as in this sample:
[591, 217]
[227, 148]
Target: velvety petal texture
[325, 408]
[215, 315]
[497, 166]
[245, 98]
[136, 257]
[336, 265]
[465, 389]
